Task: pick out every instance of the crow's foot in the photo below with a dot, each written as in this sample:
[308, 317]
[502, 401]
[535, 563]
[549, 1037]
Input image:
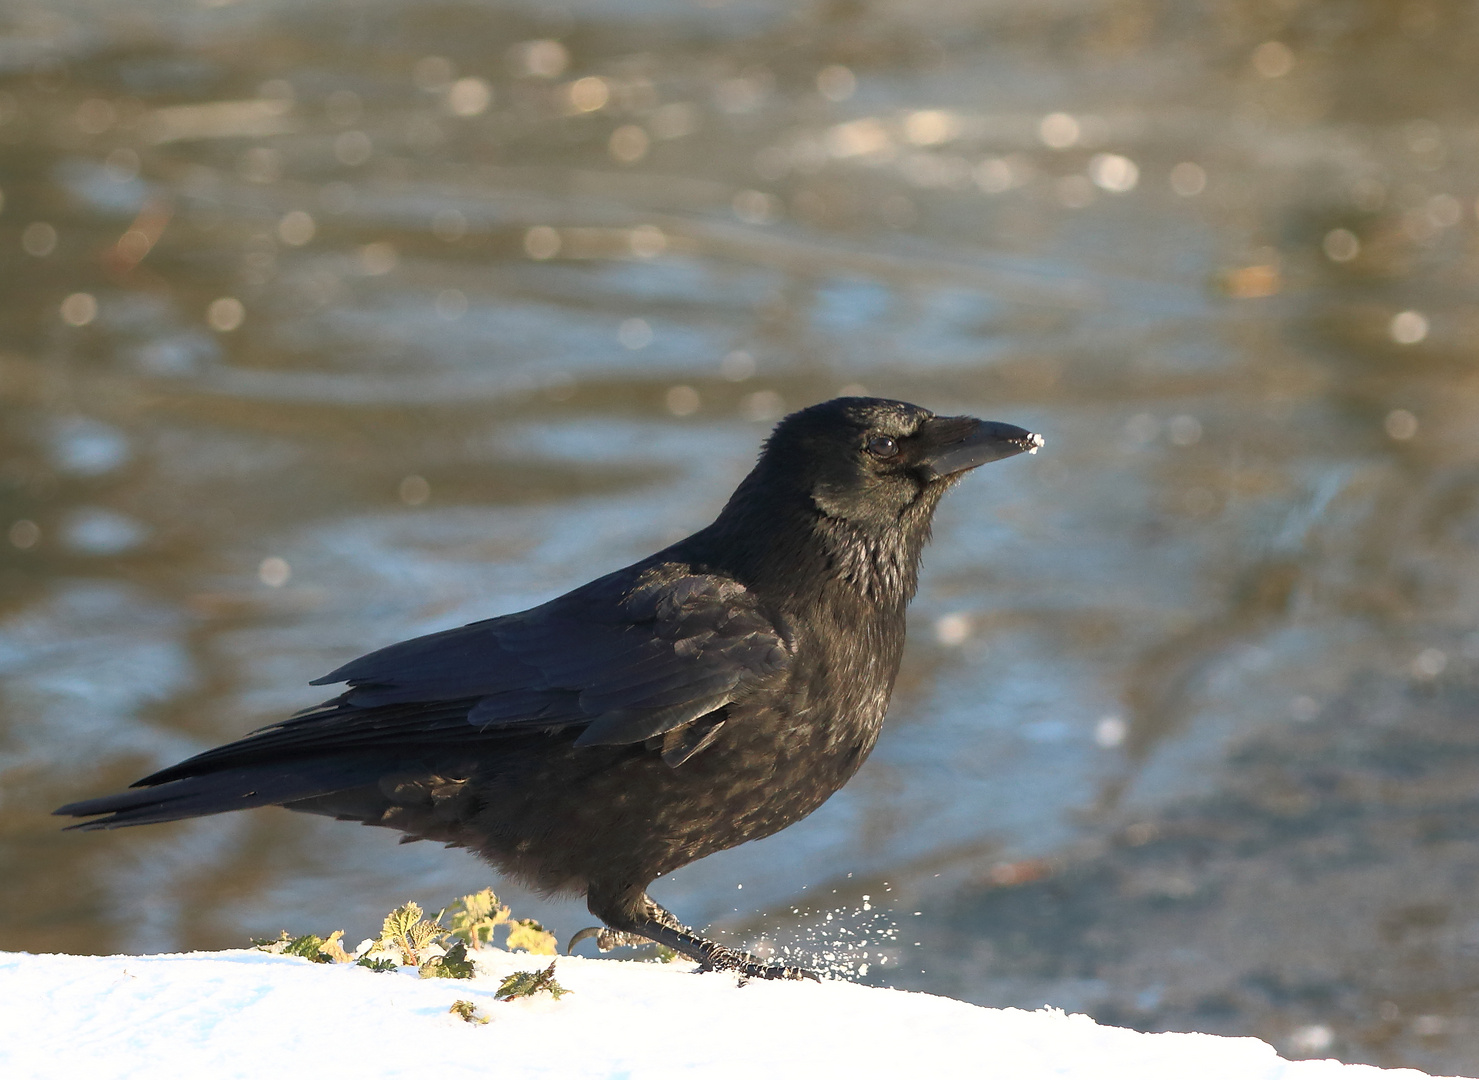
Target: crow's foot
[643, 919]
[719, 958]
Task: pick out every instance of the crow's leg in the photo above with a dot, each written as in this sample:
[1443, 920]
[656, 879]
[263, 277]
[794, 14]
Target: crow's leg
[608, 937]
[644, 918]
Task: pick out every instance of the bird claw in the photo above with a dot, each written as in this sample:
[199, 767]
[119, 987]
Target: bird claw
[606, 938]
[718, 958]
[752, 967]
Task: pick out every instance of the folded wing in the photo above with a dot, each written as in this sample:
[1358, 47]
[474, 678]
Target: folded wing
[623, 659]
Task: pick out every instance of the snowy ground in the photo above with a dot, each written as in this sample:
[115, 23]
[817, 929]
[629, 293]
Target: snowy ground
[248, 1014]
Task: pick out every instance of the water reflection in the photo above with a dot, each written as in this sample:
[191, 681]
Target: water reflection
[331, 326]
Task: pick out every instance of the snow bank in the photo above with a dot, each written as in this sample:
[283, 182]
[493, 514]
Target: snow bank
[248, 1014]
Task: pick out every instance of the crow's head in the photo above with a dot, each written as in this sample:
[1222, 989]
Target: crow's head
[878, 463]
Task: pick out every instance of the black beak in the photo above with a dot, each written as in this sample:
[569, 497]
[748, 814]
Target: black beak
[953, 444]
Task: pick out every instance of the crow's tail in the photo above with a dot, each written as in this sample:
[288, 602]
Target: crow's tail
[226, 790]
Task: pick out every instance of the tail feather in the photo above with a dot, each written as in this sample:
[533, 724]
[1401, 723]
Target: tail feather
[222, 792]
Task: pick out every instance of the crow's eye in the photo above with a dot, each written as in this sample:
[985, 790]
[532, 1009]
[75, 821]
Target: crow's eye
[882, 446]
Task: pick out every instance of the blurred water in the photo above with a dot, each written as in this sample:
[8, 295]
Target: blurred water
[330, 323]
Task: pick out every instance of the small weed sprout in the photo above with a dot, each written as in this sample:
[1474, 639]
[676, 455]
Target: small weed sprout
[409, 939]
[452, 964]
[475, 916]
[528, 936]
[468, 1011]
[406, 933]
[528, 983]
[327, 950]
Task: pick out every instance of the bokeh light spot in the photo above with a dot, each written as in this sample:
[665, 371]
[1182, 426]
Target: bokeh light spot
[756, 207]
[629, 144]
[225, 314]
[39, 239]
[1400, 424]
[1341, 245]
[952, 629]
[836, 82]
[1058, 130]
[274, 572]
[543, 59]
[681, 400]
[648, 241]
[542, 242]
[378, 258]
[762, 406]
[1114, 173]
[1273, 59]
[24, 534]
[589, 94]
[414, 490]
[1408, 327]
[79, 309]
[634, 334]
[469, 97]
[930, 127]
[738, 366]
[1110, 732]
[1188, 179]
[296, 228]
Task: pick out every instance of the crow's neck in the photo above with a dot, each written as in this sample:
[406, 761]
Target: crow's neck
[791, 553]
[881, 568]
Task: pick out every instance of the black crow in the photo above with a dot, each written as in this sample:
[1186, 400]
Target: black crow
[713, 693]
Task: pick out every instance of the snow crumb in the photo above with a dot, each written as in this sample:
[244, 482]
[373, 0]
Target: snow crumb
[251, 1014]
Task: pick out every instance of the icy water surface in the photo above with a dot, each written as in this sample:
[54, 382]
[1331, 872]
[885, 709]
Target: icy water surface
[325, 324]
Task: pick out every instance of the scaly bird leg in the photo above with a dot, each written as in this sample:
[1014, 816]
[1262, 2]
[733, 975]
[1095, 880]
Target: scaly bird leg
[647, 920]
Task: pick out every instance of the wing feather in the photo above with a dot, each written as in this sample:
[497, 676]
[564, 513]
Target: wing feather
[624, 663]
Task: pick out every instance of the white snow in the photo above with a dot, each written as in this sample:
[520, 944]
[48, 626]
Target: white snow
[249, 1014]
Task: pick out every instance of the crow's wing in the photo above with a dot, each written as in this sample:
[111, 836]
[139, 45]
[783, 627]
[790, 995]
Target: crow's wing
[625, 658]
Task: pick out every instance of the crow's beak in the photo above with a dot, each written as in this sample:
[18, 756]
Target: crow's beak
[956, 443]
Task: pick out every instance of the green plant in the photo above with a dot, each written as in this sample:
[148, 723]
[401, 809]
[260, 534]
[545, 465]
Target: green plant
[453, 964]
[475, 916]
[407, 936]
[406, 933]
[310, 946]
[528, 936]
[468, 1011]
[529, 983]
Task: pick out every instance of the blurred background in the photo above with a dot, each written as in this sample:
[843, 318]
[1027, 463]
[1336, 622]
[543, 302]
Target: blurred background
[327, 323]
